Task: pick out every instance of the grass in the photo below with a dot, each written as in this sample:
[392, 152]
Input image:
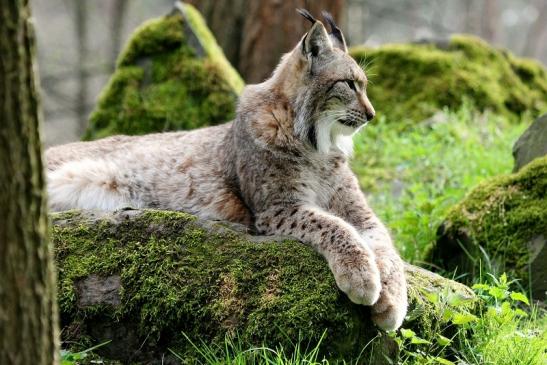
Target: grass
[235, 352]
[501, 334]
[413, 174]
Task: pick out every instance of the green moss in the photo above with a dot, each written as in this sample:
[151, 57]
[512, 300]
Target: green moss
[413, 81]
[171, 76]
[181, 276]
[501, 215]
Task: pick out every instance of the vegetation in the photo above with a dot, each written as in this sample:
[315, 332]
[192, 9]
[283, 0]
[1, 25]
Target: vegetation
[501, 334]
[414, 173]
[498, 218]
[505, 331]
[414, 81]
[172, 75]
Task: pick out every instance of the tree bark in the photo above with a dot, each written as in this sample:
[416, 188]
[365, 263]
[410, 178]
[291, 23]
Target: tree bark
[28, 309]
[254, 34]
[119, 8]
[490, 18]
[470, 23]
[81, 10]
[532, 45]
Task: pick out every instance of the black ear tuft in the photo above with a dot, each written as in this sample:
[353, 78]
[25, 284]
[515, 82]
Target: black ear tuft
[335, 32]
[330, 19]
[306, 14]
[317, 39]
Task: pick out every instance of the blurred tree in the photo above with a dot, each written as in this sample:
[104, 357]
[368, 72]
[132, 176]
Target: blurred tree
[490, 20]
[255, 33]
[80, 19]
[28, 309]
[119, 10]
[470, 17]
[532, 45]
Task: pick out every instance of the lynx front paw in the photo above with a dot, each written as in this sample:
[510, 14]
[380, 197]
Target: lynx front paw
[357, 275]
[390, 310]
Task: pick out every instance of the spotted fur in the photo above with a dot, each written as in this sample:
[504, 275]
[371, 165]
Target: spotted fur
[281, 167]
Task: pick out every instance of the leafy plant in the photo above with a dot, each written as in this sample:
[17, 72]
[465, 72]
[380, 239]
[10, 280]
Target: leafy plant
[503, 333]
[69, 357]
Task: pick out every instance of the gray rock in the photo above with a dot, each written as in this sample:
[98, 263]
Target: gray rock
[538, 266]
[96, 289]
[532, 144]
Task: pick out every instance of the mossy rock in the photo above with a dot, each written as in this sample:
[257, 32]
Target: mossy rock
[172, 75]
[413, 81]
[145, 279]
[502, 226]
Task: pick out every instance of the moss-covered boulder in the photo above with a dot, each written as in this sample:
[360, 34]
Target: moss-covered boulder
[502, 226]
[532, 144]
[146, 279]
[172, 75]
[413, 81]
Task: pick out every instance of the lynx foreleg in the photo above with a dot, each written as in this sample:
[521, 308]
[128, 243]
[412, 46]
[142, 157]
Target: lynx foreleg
[390, 309]
[349, 258]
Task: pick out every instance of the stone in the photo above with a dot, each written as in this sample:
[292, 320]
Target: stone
[172, 75]
[168, 275]
[93, 290]
[500, 226]
[532, 144]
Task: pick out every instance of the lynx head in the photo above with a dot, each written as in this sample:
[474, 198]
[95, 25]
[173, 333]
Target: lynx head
[326, 87]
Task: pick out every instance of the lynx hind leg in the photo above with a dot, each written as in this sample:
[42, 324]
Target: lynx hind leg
[88, 184]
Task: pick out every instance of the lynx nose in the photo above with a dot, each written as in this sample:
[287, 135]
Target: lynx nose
[368, 108]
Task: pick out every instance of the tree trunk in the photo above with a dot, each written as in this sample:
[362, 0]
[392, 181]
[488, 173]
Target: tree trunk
[533, 42]
[490, 16]
[470, 16]
[254, 34]
[81, 40]
[28, 309]
[119, 8]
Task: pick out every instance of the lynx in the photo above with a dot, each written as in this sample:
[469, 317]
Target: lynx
[281, 167]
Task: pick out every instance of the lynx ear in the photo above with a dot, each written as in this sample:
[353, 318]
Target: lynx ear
[316, 41]
[335, 34]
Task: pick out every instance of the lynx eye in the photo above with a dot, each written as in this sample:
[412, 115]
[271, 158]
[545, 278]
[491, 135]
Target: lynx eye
[351, 85]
